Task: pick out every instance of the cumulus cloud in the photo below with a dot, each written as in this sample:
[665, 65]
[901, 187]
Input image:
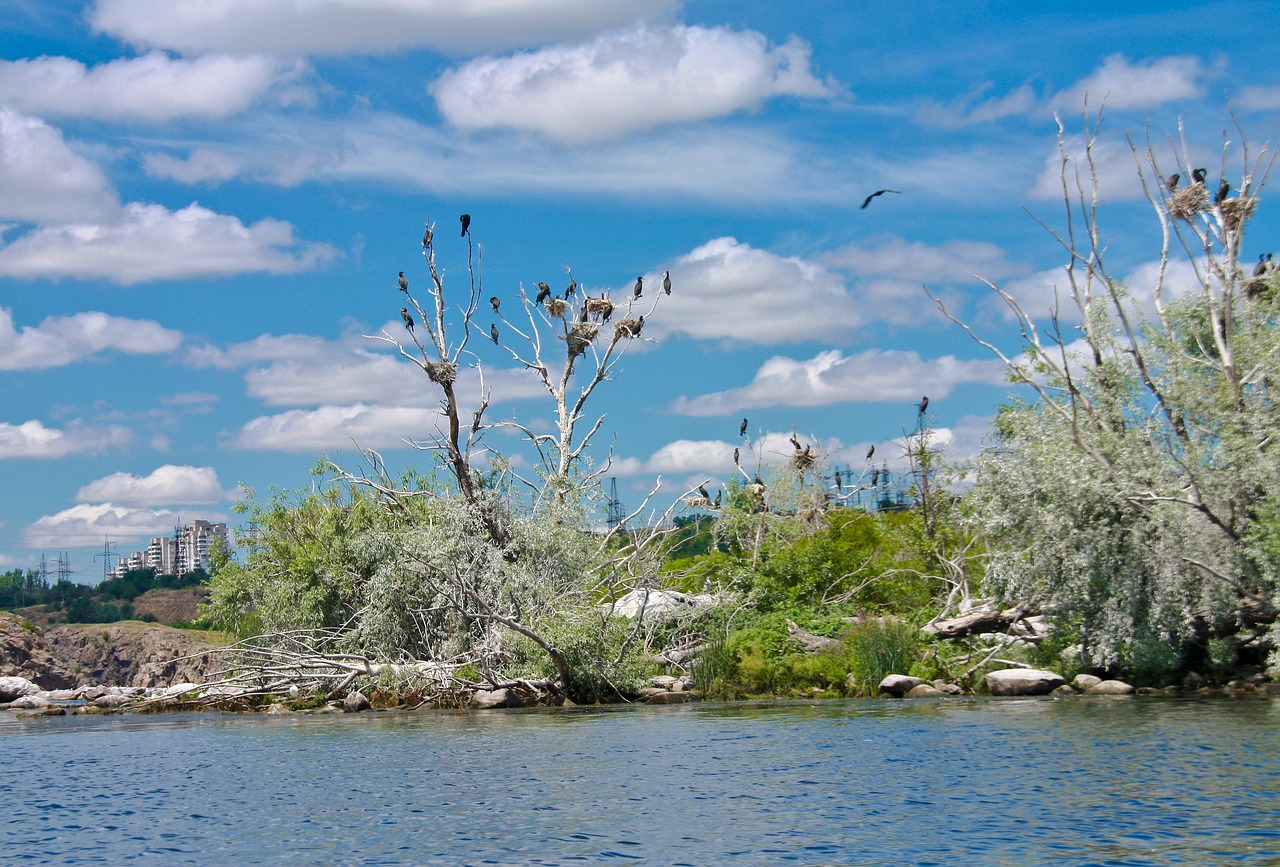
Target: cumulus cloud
[42, 179]
[1126, 84]
[168, 485]
[150, 242]
[87, 524]
[729, 290]
[154, 87]
[32, 439]
[1113, 161]
[335, 427]
[290, 28]
[624, 82]
[679, 458]
[831, 377]
[61, 340]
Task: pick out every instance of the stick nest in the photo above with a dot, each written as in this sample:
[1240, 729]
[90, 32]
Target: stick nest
[1188, 201]
[803, 459]
[556, 307]
[1236, 211]
[1257, 287]
[442, 372]
[628, 327]
[580, 337]
[599, 307]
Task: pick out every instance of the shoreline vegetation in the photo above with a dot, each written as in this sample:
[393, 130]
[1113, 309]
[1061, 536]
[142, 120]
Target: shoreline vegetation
[1119, 532]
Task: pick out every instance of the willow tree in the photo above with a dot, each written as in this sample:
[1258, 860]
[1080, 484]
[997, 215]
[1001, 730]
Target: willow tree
[471, 572]
[1126, 497]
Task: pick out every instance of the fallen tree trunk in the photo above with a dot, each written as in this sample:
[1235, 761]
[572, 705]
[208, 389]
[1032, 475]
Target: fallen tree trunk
[978, 622]
[810, 642]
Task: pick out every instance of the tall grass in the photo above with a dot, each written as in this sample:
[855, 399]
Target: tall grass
[877, 648]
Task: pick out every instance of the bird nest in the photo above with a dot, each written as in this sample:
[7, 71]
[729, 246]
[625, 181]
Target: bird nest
[580, 337]
[1257, 287]
[628, 327]
[1236, 211]
[803, 459]
[599, 307]
[556, 307]
[441, 371]
[1188, 201]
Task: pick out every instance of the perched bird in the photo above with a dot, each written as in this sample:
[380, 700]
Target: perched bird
[868, 199]
[639, 290]
[639, 327]
[666, 282]
[465, 220]
[736, 454]
[408, 320]
[571, 290]
[795, 442]
[759, 481]
[716, 504]
[1172, 182]
[1261, 267]
[495, 302]
[493, 332]
[703, 492]
[871, 451]
[1199, 175]
[426, 236]
[544, 292]
[839, 483]
[404, 284]
[1224, 190]
[875, 478]
[924, 404]
[742, 428]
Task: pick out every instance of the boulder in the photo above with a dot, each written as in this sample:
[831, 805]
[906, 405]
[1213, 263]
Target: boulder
[1084, 681]
[651, 602]
[1023, 681]
[30, 701]
[948, 688]
[1064, 691]
[16, 687]
[483, 699]
[898, 685]
[671, 698]
[355, 702]
[924, 690]
[1110, 687]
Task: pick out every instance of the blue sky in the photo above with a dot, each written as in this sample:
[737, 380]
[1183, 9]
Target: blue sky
[203, 208]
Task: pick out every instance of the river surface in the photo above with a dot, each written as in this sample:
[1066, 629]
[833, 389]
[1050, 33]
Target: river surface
[965, 781]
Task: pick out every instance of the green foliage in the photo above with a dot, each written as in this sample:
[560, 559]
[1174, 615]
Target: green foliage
[877, 648]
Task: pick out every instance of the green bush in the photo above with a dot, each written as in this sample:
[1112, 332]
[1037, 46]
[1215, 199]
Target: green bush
[880, 647]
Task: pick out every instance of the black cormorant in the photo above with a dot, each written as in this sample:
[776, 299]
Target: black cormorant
[1224, 190]
[839, 483]
[544, 292]
[716, 504]
[1199, 175]
[666, 282]
[404, 284]
[742, 429]
[924, 404]
[736, 454]
[1172, 182]
[408, 320]
[570, 290]
[639, 290]
[871, 451]
[465, 220]
[495, 302]
[1261, 267]
[868, 199]
[704, 493]
[426, 236]
[493, 332]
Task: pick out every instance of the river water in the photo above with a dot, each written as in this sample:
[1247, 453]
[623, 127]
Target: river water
[965, 781]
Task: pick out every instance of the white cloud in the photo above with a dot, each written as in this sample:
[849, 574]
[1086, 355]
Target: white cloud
[335, 427]
[202, 165]
[624, 82]
[831, 377]
[1134, 85]
[87, 524]
[289, 27]
[32, 439]
[168, 485]
[61, 340]
[153, 87]
[1113, 162]
[974, 109]
[728, 290]
[1259, 97]
[150, 242]
[42, 179]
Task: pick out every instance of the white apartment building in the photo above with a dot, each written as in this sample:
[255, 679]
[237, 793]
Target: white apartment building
[186, 551]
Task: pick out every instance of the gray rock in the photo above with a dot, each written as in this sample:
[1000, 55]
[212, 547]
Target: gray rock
[277, 708]
[30, 702]
[898, 685]
[671, 698]
[1064, 691]
[665, 681]
[16, 687]
[1023, 681]
[650, 691]
[948, 688]
[60, 694]
[1084, 681]
[355, 702]
[924, 690]
[1110, 687]
[112, 699]
[483, 699]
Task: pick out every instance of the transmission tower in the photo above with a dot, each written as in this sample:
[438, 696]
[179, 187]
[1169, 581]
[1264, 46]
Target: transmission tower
[613, 508]
[64, 566]
[107, 545]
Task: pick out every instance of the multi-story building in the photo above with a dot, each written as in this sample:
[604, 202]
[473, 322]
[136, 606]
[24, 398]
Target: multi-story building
[187, 551]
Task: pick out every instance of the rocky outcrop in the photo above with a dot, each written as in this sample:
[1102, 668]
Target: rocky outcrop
[25, 653]
[898, 685]
[1110, 687]
[1023, 681]
[14, 688]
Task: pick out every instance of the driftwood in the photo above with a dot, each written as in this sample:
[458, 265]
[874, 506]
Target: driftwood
[977, 622]
[810, 642]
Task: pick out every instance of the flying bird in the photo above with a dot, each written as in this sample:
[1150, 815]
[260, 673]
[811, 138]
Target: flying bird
[1199, 175]
[544, 292]
[408, 320]
[465, 220]
[871, 451]
[639, 290]
[495, 302]
[666, 282]
[404, 284]
[1172, 182]
[493, 332]
[742, 428]
[924, 404]
[868, 199]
